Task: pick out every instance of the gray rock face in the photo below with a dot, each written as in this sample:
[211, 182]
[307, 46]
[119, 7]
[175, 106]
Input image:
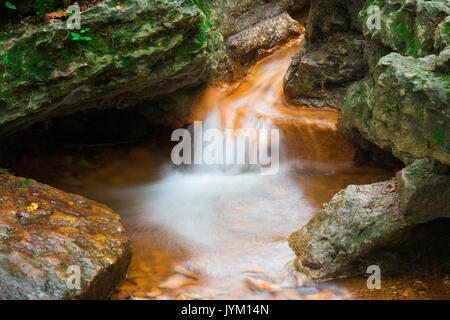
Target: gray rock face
[409, 27]
[401, 104]
[332, 57]
[369, 224]
[47, 236]
[341, 236]
[319, 72]
[424, 191]
[232, 17]
[45, 72]
[403, 109]
[244, 46]
[264, 35]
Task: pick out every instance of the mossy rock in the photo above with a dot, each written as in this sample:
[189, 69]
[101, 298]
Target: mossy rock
[131, 53]
[407, 27]
[403, 108]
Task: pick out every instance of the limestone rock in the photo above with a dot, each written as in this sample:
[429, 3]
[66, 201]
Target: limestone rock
[332, 57]
[44, 231]
[424, 190]
[408, 27]
[130, 55]
[244, 46]
[380, 224]
[319, 72]
[341, 236]
[404, 109]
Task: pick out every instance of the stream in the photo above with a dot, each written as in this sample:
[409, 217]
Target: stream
[211, 232]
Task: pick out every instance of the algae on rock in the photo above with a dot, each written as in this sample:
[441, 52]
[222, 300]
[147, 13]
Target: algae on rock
[138, 51]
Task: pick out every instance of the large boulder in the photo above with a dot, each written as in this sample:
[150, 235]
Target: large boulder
[131, 54]
[402, 105]
[378, 224]
[403, 109]
[47, 234]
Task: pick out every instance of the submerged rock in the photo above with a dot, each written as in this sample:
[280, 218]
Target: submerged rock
[373, 224]
[46, 234]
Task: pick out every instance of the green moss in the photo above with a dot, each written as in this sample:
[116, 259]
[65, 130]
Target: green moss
[438, 136]
[405, 38]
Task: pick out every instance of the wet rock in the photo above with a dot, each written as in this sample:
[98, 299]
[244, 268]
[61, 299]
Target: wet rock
[154, 293]
[408, 27]
[319, 72]
[332, 57]
[186, 273]
[372, 224]
[44, 231]
[174, 282]
[424, 190]
[403, 109]
[47, 73]
[232, 17]
[243, 47]
[355, 221]
[261, 285]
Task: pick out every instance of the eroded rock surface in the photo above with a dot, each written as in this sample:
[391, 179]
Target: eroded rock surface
[403, 104]
[44, 231]
[372, 224]
[244, 46]
[150, 54]
[403, 108]
[332, 57]
[133, 53]
[320, 70]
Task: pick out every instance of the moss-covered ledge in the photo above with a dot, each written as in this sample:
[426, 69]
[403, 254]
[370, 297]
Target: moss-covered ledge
[126, 54]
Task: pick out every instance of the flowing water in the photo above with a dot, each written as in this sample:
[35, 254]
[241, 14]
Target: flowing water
[220, 232]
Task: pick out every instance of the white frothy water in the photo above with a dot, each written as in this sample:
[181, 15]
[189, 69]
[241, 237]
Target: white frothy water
[231, 217]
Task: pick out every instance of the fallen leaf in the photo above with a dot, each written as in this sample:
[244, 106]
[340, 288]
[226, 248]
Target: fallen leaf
[56, 14]
[33, 206]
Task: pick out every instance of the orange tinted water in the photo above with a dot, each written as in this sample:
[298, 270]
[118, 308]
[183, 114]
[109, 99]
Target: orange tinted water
[206, 234]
